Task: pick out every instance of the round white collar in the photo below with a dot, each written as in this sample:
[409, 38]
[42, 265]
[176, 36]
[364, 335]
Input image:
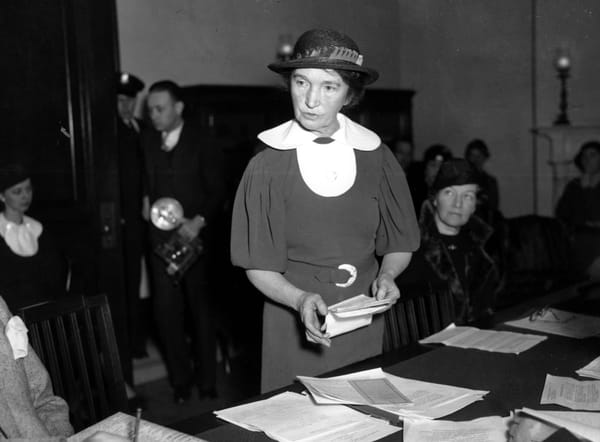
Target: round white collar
[22, 238]
[289, 135]
[327, 165]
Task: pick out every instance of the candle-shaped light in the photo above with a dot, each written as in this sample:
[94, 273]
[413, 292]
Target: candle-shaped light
[562, 64]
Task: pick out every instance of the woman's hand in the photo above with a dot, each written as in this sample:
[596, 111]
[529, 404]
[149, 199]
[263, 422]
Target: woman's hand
[384, 287]
[310, 306]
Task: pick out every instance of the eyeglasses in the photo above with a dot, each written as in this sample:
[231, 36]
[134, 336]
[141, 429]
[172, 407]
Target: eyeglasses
[540, 313]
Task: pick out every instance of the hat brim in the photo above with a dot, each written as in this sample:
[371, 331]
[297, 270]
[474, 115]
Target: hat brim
[369, 75]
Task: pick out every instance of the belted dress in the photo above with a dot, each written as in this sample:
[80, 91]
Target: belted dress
[321, 244]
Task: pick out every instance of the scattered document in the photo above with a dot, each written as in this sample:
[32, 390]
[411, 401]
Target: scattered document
[294, 417]
[352, 314]
[582, 423]
[559, 322]
[485, 429]
[428, 400]
[487, 340]
[571, 393]
[591, 370]
[122, 424]
[366, 391]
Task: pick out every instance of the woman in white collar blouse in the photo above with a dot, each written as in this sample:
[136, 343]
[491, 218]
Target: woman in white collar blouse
[32, 267]
[313, 210]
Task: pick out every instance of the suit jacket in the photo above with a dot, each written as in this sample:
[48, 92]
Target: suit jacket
[28, 408]
[192, 173]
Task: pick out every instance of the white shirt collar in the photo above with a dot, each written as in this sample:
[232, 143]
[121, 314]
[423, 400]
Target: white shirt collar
[290, 135]
[22, 239]
[170, 139]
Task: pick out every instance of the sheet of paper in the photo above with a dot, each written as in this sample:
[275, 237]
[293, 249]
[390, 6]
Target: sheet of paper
[485, 429]
[122, 425]
[571, 393]
[487, 340]
[429, 400]
[443, 335]
[591, 370]
[583, 423]
[294, 417]
[560, 322]
[366, 391]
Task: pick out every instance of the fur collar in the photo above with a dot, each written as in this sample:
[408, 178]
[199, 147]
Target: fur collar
[435, 253]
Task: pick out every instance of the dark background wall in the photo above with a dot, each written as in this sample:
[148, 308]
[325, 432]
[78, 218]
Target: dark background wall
[480, 68]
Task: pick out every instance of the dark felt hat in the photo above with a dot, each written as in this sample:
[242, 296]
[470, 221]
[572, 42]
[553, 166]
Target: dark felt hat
[588, 145]
[11, 174]
[326, 49]
[454, 172]
[128, 84]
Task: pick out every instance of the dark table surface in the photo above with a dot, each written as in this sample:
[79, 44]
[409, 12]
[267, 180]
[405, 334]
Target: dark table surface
[513, 381]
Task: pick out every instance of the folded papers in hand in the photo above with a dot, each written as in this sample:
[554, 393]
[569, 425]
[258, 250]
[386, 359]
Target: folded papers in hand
[352, 313]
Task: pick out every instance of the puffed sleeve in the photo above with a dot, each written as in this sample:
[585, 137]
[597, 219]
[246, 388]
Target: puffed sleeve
[258, 224]
[398, 228]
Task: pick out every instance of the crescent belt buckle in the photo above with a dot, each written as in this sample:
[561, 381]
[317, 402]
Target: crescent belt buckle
[353, 273]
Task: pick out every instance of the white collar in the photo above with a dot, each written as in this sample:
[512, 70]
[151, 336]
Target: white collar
[170, 139]
[21, 238]
[329, 169]
[290, 135]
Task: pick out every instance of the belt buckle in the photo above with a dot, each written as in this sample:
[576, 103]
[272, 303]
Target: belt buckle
[353, 274]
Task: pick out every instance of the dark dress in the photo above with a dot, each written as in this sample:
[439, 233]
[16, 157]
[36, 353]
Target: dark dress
[577, 207]
[27, 280]
[280, 225]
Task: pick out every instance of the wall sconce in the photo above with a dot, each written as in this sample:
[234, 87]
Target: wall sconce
[562, 64]
[285, 47]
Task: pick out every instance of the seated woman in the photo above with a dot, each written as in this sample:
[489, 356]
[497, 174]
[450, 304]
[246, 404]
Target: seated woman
[28, 408]
[579, 208]
[33, 269]
[452, 251]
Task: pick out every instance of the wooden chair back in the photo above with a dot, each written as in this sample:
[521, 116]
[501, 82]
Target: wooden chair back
[75, 340]
[420, 312]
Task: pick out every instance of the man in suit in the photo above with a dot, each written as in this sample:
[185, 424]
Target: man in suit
[29, 410]
[183, 163]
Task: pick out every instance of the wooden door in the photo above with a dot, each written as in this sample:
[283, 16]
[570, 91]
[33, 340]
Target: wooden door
[58, 116]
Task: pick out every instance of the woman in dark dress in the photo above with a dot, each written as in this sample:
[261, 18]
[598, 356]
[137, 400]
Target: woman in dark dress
[33, 269]
[579, 208]
[313, 210]
[452, 255]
